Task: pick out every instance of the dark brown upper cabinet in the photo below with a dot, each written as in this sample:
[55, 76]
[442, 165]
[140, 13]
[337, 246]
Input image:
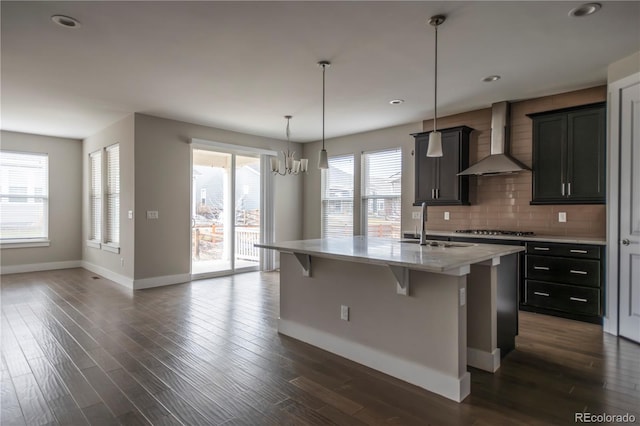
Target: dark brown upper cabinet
[437, 180]
[569, 148]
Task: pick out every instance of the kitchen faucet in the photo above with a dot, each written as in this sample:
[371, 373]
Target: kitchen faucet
[423, 227]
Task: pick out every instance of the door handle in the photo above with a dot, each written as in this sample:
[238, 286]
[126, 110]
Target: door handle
[539, 293]
[578, 251]
[573, 271]
[626, 242]
[541, 268]
[578, 299]
[541, 248]
[563, 189]
[569, 189]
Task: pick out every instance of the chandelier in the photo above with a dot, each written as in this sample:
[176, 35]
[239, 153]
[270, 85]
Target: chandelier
[290, 166]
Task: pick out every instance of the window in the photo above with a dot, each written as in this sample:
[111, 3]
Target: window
[381, 193]
[95, 197]
[337, 197]
[24, 197]
[104, 199]
[113, 195]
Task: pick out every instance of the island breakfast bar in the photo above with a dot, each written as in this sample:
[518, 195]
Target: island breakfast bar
[418, 313]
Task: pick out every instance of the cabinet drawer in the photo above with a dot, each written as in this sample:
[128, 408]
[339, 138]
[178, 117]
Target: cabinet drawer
[567, 298]
[564, 250]
[566, 270]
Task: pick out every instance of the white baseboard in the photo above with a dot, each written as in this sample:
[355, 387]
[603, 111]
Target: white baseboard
[455, 388]
[161, 281]
[487, 361]
[35, 267]
[108, 274]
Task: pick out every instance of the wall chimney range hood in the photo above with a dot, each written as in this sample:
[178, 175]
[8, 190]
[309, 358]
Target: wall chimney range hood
[498, 162]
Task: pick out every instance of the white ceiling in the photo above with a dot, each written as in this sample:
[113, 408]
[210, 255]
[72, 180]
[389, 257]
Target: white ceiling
[242, 66]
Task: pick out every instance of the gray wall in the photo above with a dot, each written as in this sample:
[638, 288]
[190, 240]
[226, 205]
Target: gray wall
[163, 183]
[65, 183]
[122, 133]
[624, 67]
[392, 137]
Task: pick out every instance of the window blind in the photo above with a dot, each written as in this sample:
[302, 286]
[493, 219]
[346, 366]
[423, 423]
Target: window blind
[24, 195]
[113, 195]
[381, 192]
[95, 196]
[337, 197]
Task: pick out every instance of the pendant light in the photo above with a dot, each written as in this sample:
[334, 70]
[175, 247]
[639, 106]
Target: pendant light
[434, 149]
[323, 161]
[291, 166]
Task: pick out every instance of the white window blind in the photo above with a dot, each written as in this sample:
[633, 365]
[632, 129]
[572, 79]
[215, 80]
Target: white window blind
[24, 196]
[381, 193]
[95, 196]
[113, 195]
[337, 197]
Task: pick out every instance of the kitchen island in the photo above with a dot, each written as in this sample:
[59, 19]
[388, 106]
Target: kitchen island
[418, 313]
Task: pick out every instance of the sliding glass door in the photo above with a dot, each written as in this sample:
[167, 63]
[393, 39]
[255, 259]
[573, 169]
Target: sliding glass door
[226, 201]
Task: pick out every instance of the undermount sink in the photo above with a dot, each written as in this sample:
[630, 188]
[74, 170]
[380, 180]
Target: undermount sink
[443, 244]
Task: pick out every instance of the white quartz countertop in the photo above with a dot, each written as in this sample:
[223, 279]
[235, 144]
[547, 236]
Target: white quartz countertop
[385, 251]
[539, 238]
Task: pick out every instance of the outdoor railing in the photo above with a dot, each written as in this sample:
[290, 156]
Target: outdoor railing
[245, 240]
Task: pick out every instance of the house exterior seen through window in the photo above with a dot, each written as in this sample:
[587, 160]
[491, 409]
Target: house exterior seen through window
[24, 197]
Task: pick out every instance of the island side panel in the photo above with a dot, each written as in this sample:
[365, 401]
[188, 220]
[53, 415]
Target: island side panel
[386, 331]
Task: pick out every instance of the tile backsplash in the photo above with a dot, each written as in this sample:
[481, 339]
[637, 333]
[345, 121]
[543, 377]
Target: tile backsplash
[502, 201]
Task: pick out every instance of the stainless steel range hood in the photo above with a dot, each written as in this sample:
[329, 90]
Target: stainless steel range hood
[498, 162]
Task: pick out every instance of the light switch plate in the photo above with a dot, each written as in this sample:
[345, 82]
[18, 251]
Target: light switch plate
[463, 296]
[152, 214]
[130, 214]
[446, 216]
[344, 312]
[562, 216]
[416, 215]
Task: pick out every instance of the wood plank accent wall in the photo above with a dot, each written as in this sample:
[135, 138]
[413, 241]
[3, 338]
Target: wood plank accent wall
[502, 202]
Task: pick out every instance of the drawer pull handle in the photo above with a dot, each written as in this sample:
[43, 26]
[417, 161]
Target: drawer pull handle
[578, 251]
[573, 271]
[541, 248]
[541, 268]
[578, 299]
[538, 293]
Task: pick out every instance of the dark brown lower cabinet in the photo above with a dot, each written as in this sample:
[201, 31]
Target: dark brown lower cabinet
[564, 280]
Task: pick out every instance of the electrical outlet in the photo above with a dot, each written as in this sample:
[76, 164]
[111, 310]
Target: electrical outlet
[344, 312]
[446, 216]
[562, 216]
[416, 215]
[152, 214]
[463, 296]
[130, 214]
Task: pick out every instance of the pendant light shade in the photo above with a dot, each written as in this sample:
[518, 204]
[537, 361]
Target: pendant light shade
[323, 161]
[435, 138]
[435, 145]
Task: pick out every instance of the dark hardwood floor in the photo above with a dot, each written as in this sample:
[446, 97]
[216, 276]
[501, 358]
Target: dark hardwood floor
[79, 349]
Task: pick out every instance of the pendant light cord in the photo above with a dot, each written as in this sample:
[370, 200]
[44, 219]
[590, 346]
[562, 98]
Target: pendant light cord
[324, 67]
[435, 87]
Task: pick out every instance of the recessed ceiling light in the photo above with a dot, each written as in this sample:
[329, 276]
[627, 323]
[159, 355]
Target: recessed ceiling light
[491, 78]
[65, 21]
[585, 10]
[396, 101]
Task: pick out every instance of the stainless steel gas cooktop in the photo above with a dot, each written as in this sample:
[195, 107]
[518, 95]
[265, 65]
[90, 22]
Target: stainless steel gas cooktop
[495, 232]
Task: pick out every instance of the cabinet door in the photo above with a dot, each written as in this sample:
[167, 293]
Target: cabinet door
[586, 155]
[448, 179]
[549, 158]
[425, 173]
